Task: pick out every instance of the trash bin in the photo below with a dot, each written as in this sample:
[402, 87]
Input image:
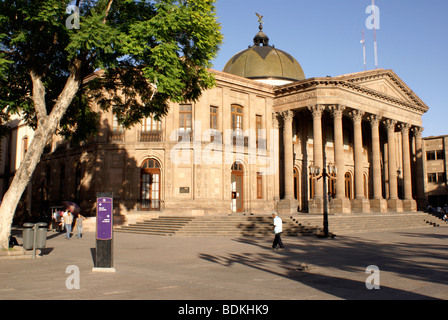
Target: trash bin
[28, 236]
[41, 237]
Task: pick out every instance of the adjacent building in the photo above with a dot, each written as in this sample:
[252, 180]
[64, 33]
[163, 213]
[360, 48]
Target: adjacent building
[435, 167]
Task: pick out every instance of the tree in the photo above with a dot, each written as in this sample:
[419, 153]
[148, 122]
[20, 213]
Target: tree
[48, 54]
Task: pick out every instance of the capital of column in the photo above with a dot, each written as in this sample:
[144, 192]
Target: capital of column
[316, 110]
[404, 127]
[287, 115]
[374, 120]
[356, 115]
[418, 131]
[390, 124]
[336, 110]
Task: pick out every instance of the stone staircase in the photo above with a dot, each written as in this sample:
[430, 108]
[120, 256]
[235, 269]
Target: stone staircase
[259, 226]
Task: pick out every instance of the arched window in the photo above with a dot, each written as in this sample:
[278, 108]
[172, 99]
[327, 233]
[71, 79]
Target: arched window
[348, 185]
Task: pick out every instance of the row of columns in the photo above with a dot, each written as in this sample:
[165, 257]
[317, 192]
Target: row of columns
[356, 116]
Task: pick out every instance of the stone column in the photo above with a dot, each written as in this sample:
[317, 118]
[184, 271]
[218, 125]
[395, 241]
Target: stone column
[288, 205]
[420, 182]
[316, 204]
[289, 156]
[340, 204]
[360, 203]
[378, 203]
[394, 204]
[275, 126]
[409, 203]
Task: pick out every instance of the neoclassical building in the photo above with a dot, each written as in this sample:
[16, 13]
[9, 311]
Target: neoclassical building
[253, 144]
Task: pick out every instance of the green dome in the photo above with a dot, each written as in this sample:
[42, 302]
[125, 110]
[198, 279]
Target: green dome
[264, 62]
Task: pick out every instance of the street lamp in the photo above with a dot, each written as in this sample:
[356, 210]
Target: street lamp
[316, 174]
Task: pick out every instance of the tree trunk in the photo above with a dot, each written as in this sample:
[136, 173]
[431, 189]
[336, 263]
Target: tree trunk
[47, 126]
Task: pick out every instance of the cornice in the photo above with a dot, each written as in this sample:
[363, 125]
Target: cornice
[234, 80]
[349, 83]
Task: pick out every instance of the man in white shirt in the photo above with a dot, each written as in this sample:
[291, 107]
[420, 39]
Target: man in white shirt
[278, 229]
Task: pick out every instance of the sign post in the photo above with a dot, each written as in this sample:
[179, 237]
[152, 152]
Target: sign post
[104, 232]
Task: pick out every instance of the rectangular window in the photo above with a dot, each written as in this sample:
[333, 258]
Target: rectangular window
[440, 155]
[116, 127]
[430, 155]
[214, 118]
[432, 177]
[150, 125]
[259, 126]
[237, 119]
[441, 177]
[185, 117]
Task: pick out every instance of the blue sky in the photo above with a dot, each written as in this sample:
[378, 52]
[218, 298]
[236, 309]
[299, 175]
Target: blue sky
[324, 36]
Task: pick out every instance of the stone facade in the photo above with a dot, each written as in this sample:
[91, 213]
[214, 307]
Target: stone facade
[247, 146]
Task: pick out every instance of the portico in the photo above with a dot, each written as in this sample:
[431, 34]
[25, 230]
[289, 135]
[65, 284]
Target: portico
[361, 123]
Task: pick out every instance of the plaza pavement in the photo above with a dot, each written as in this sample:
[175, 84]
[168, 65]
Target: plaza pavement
[413, 264]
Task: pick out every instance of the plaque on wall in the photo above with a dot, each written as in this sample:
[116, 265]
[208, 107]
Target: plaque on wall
[184, 190]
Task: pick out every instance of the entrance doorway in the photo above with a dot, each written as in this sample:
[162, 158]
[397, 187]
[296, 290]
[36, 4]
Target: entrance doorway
[237, 187]
[150, 185]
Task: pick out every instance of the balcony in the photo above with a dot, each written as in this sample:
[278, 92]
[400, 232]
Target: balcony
[150, 136]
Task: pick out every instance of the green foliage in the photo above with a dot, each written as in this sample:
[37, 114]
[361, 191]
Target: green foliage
[135, 43]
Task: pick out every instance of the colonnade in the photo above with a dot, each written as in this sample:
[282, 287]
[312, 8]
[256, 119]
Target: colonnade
[360, 203]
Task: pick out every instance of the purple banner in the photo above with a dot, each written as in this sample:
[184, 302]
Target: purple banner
[104, 218]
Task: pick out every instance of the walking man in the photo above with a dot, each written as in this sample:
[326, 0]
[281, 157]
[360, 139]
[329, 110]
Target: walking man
[278, 229]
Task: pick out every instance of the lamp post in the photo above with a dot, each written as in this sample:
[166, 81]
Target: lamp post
[316, 174]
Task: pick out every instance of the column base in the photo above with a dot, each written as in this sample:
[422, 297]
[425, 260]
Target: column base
[287, 206]
[378, 205]
[360, 205]
[395, 205]
[340, 206]
[409, 205]
[316, 206]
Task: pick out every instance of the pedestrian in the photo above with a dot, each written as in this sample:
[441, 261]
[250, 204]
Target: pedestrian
[278, 229]
[78, 225]
[67, 220]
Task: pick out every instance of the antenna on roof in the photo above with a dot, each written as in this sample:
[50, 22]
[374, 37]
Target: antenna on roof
[375, 44]
[363, 42]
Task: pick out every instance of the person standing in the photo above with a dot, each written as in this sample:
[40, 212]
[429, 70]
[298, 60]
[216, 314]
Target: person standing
[67, 220]
[278, 229]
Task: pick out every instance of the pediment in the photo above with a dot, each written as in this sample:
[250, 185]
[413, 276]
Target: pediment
[386, 87]
[387, 83]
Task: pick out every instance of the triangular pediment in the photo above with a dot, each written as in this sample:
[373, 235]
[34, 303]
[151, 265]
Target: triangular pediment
[385, 82]
[386, 87]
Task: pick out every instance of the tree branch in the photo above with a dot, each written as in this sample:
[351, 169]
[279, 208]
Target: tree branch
[107, 10]
[38, 95]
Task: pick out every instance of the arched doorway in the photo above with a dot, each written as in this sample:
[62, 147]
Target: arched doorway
[150, 185]
[237, 187]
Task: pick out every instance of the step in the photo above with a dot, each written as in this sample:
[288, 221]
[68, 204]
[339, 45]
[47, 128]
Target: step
[298, 225]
